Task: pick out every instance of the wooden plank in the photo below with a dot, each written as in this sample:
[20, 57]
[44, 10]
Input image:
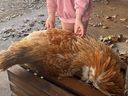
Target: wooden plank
[17, 91]
[23, 91]
[16, 74]
[74, 85]
[24, 85]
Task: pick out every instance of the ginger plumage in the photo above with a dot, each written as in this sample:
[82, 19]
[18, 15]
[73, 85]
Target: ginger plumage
[60, 53]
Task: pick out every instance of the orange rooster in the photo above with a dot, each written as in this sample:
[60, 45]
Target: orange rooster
[60, 53]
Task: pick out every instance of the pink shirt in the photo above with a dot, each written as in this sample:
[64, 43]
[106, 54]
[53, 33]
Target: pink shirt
[68, 9]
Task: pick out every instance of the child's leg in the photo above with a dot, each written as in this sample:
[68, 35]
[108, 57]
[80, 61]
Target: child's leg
[70, 26]
[67, 26]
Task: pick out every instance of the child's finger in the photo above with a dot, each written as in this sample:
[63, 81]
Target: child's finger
[47, 25]
[77, 29]
[51, 25]
[82, 32]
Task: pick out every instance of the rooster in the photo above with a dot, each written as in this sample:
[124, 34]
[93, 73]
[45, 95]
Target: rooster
[61, 53]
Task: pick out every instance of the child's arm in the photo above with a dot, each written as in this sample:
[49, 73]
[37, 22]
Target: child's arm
[81, 7]
[51, 7]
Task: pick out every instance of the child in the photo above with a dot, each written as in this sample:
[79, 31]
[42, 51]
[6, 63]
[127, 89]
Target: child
[74, 14]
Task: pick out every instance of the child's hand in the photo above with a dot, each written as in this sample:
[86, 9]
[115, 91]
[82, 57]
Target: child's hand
[50, 22]
[79, 28]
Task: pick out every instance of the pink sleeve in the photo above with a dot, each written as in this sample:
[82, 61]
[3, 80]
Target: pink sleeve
[51, 5]
[81, 6]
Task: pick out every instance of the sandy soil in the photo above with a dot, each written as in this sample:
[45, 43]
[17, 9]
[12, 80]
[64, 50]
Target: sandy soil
[19, 17]
[116, 12]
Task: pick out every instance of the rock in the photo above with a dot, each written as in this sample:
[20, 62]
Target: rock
[41, 22]
[35, 74]
[35, 19]
[25, 30]
[32, 24]
[8, 30]
[108, 17]
[111, 17]
[105, 27]
[28, 29]
[28, 70]
[97, 15]
[7, 18]
[20, 14]
[94, 25]
[4, 39]
[13, 16]
[101, 38]
[25, 34]
[41, 77]
[7, 35]
[126, 41]
[41, 15]
[18, 35]
[91, 24]
[13, 34]
[23, 26]
[112, 39]
[99, 24]
[123, 19]
[26, 20]
[120, 38]
[114, 16]
[112, 45]
[2, 9]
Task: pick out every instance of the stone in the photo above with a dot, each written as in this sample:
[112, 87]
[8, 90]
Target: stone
[123, 19]
[101, 38]
[99, 24]
[112, 45]
[25, 34]
[126, 41]
[4, 39]
[35, 74]
[2, 9]
[13, 16]
[41, 77]
[114, 16]
[105, 27]
[32, 24]
[26, 20]
[41, 15]
[108, 17]
[8, 30]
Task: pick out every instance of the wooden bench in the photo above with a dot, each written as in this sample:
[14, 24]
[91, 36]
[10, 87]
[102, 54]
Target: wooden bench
[24, 83]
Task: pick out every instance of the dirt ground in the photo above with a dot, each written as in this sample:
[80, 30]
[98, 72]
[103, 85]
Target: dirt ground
[19, 17]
